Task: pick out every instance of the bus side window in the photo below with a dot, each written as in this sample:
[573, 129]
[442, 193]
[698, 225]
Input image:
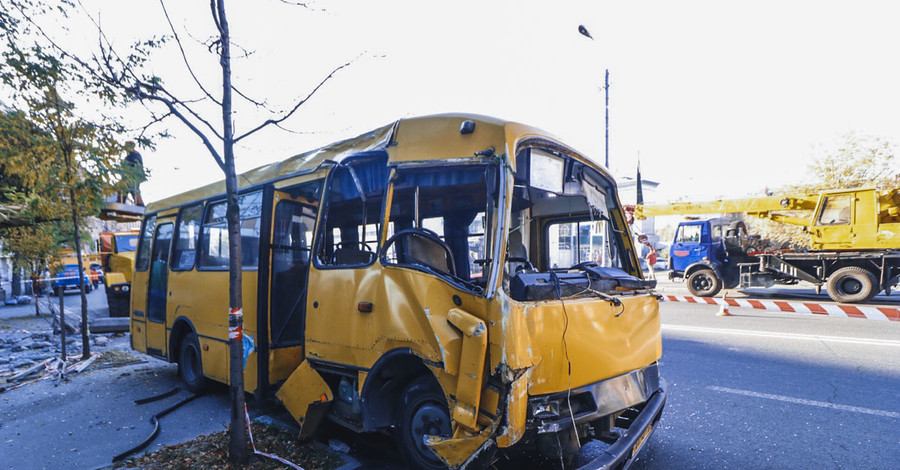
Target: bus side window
[451, 203]
[350, 233]
[214, 252]
[143, 256]
[185, 248]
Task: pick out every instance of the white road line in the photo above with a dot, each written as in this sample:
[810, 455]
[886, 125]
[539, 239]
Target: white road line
[801, 401]
[766, 334]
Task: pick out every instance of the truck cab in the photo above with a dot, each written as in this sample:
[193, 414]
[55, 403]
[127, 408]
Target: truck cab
[705, 253]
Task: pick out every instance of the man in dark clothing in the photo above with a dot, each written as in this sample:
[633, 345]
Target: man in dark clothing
[133, 174]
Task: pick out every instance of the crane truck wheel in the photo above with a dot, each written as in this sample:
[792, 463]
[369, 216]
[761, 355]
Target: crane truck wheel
[704, 283]
[851, 284]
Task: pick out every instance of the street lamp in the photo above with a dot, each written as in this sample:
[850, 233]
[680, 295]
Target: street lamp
[584, 32]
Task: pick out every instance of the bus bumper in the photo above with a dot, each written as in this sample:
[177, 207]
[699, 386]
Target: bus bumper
[118, 298]
[621, 454]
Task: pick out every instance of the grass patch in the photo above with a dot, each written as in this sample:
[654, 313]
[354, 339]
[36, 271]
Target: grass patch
[115, 357]
[211, 452]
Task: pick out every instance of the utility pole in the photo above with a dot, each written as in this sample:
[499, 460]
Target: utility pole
[584, 32]
[606, 87]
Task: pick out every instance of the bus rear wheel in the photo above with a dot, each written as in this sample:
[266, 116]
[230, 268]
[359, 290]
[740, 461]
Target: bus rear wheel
[422, 411]
[851, 284]
[190, 367]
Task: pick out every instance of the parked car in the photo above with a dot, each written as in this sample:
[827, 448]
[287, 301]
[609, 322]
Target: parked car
[67, 277]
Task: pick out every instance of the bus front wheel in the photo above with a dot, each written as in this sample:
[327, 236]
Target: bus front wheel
[422, 411]
[190, 368]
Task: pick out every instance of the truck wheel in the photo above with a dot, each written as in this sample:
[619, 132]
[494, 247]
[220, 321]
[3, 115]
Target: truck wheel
[190, 368]
[704, 283]
[422, 411]
[851, 284]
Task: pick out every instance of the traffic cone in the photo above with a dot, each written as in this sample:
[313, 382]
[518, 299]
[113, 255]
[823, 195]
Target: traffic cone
[723, 307]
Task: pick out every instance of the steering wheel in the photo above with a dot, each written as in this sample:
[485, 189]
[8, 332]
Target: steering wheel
[426, 234]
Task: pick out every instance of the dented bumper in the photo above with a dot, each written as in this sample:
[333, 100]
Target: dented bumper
[620, 411]
[621, 454]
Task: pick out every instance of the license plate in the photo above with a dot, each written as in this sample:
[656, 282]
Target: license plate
[640, 441]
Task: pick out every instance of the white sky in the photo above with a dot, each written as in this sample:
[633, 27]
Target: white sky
[718, 98]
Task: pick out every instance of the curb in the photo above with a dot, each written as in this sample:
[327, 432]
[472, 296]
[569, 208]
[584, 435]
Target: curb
[837, 310]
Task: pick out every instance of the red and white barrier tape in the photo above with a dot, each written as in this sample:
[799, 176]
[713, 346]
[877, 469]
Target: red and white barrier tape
[838, 310]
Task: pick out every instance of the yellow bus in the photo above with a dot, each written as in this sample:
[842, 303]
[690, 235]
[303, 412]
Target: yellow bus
[465, 283]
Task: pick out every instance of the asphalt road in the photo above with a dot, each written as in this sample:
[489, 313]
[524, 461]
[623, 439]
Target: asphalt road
[776, 390]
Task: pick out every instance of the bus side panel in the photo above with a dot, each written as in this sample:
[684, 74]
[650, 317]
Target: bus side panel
[402, 300]
[202, 297]
[139, 311]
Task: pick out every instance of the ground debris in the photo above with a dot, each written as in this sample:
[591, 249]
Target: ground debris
[211, 452]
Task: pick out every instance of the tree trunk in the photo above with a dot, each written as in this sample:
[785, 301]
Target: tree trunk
[238, 449]
[85, 334]
[15, 286]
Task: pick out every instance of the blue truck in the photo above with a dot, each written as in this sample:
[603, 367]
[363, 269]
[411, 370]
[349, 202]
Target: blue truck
[707, 253]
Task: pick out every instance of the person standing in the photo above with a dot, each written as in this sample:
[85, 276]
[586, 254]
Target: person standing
[133, 166]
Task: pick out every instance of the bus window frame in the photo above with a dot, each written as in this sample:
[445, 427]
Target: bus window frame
[319, 236]
[141, 241]
[201, 239]
[177, 235]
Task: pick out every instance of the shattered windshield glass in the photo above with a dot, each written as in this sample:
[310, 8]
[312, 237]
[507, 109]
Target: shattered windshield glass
[563, 238]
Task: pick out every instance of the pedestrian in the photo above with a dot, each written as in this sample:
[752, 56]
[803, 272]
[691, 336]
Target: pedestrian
[133, 174]
[37, 285]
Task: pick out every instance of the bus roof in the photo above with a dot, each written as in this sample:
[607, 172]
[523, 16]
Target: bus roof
[426, 138]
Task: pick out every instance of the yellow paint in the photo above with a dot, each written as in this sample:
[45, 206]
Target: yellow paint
[471, 367]
[302, 389]
[516, 412]
[587, 334]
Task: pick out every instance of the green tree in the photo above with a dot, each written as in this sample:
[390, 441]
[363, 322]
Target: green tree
[65, 164]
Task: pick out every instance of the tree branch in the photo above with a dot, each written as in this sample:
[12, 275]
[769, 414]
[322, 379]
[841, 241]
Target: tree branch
[184, 55]
[295, 108]
[136, 91]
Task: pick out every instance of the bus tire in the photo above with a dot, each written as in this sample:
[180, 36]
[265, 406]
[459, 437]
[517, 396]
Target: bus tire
[422, 411]
[851, 284]
[704, 283]
[190, 367]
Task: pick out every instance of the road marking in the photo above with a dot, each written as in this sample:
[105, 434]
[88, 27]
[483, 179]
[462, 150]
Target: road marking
[802, 401]
[766, 334]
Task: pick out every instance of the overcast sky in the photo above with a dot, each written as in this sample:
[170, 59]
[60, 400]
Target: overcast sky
[717, 98]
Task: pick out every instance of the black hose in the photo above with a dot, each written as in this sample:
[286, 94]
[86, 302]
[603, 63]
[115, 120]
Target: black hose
[154, 420]
[168, 394]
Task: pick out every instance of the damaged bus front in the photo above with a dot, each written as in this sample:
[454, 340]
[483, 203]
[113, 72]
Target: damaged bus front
[475, 288]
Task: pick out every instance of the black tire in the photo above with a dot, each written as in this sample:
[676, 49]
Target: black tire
[704, 283]
[421, 411]
[190, 367]
[852, 284]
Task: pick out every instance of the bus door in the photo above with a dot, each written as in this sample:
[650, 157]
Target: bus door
[293, 224]
[158, 289]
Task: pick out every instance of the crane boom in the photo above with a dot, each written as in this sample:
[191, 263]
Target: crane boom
[756, 206]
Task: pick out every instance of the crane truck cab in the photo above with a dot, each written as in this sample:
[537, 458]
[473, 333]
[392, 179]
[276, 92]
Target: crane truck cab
[705, 253]
[117, 250]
